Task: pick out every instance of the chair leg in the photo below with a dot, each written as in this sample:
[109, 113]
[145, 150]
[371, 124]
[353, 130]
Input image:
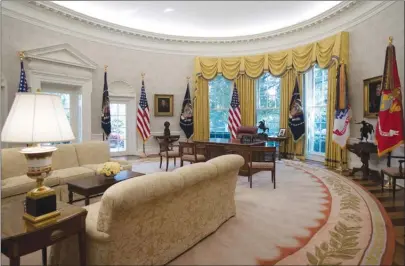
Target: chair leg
[167, 163]
[174, 161]
[251, 181]
[274, 178]
[394, 185]
[161, 158]
[382, 181]
[181, 163]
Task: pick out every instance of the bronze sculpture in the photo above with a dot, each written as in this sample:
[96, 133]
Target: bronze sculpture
[262, 126]
[366, 129]
[166, 132]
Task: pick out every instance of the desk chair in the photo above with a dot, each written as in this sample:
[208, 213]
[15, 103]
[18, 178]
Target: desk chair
[189, 153]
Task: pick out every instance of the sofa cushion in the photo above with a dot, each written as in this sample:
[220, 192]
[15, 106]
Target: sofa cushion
[64, 157]
[13, 163]
[65, 175]
[22, 184]
[92, 152]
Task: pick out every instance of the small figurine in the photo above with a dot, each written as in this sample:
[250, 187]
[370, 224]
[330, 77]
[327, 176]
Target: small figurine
[262, 126]
[366, 129]
[166, 133]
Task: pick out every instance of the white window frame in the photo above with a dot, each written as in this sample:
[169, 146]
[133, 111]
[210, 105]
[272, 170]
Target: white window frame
[257, 99]
[75, 109]
[224, 109]
[309, 87]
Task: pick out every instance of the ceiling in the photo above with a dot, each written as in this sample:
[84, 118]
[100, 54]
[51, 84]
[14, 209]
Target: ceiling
[202, 18]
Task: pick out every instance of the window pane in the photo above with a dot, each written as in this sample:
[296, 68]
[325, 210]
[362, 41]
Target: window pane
[117, 138]
[268, 102]
[220, 93]
[316, 93]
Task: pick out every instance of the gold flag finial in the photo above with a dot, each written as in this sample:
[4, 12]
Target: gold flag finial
[105, 68]
[21, 55]
[342, 61]
[390, 39]
[143, 75]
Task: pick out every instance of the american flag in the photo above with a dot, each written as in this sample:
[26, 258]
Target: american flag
[234, 120]
[23, 87]
[143, 117]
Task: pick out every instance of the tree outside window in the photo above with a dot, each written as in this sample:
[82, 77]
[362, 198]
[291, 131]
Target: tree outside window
[219, 101]
[268, 102]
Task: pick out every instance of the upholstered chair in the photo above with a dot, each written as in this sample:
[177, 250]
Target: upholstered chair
[189, 153]
[167, 151]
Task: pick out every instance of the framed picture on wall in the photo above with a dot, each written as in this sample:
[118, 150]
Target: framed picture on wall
[372, 96]
[163, 105]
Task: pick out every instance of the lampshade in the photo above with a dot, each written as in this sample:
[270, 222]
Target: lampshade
[36, 118]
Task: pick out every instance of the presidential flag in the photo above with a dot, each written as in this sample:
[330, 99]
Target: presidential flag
[186, 116]
[23, 86]
[142, 116]
[296, 121]
[341, 123]
[105, 109]
[234, 119]
[389, 132]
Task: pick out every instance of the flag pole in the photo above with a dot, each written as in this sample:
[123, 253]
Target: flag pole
[143, 141]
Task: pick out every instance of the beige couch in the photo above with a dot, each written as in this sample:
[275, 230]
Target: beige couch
[150, 220]
[70, 161]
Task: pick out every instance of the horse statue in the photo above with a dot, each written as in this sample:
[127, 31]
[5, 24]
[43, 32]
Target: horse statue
[366, 129]
[262, 126]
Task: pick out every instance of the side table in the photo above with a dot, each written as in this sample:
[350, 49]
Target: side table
[19, 237]
[364, 150]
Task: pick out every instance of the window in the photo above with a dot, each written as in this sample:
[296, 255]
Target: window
[268, 102]
[220, 93]
[72, 104]
[118, 136]
[316, 97]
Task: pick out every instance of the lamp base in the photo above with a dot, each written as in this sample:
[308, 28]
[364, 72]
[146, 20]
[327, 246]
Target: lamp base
[41, 208]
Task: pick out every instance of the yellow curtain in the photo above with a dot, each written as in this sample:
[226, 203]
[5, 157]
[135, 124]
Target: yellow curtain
[201, 110]
[246, 91]
[283, 63]
[287, 89]
[300, 59]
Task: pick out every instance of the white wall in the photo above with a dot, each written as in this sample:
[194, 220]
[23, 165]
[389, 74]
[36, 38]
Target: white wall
[368, 42]
[166, 72]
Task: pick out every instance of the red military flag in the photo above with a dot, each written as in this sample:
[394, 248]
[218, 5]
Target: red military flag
[234, 119]
[389, 132]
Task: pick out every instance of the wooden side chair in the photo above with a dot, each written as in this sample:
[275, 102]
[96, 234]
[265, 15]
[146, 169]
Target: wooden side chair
[262, 159]
[189, 153]
[393, 172]
[166, 150]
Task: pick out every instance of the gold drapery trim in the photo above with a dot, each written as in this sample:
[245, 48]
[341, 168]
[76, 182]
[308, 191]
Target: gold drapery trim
[287, 89]
[277, 63]
[201, 110]
[333, 152]
[246, 91]
[285, 64]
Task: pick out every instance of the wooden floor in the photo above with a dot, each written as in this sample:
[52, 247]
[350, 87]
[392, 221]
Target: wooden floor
[396, 211]
[394, 208]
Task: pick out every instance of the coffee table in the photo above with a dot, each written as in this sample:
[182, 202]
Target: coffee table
[96, 185]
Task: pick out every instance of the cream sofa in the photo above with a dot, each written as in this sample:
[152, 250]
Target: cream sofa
[150, 220]
[70, 161]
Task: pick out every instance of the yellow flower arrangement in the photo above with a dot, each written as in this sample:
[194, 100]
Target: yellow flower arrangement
[110, 168]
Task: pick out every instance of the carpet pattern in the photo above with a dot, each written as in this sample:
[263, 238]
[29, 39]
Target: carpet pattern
[313, 217]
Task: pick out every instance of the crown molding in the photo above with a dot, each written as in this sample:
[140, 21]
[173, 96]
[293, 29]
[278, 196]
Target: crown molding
[57, 18]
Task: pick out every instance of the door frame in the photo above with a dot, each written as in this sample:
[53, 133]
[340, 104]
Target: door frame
[131, 123]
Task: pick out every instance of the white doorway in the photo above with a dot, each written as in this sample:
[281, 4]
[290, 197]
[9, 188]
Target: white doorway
[119, 130]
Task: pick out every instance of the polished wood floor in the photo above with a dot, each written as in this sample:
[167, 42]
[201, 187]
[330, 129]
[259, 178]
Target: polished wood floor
[394, 208]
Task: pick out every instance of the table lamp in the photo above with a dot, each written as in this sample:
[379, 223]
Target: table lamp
[37, 118]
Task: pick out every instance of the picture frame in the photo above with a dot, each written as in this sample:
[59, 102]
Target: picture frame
[282, 132]
[163, 104]
[372, 96]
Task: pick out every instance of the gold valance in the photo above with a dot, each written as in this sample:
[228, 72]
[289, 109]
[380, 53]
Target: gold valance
[277, 63]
